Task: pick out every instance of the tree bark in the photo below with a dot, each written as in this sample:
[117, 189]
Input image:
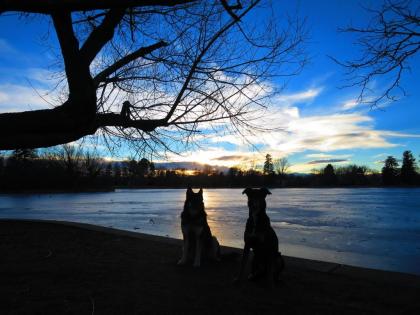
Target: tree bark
[49, 127]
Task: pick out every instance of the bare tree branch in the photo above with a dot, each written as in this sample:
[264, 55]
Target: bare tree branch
[387, 45]
[141, 52]
[101, 35]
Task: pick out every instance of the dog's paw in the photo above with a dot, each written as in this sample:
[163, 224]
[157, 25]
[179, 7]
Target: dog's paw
[181, 262]
[196, 264]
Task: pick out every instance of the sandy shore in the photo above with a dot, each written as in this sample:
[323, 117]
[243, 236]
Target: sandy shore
[67, 268]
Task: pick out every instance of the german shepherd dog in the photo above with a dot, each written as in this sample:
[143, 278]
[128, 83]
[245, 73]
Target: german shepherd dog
[198, 240]
[261, 238]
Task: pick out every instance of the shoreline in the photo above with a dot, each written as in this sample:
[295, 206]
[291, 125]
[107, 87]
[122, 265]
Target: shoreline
[311, 264]
[59, 267]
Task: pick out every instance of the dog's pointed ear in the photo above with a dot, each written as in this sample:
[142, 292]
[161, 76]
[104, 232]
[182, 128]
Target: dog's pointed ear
[265, 191]
[247, 191]
[200, 191]
[189, 191]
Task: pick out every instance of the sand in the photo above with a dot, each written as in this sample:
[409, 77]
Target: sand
[49, 267]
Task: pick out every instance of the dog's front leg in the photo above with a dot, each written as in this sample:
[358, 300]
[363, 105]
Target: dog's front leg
[244, 260]
[198, 248]
[185, 251]
[270, 272]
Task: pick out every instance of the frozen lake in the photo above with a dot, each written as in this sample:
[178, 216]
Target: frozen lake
[369, 227]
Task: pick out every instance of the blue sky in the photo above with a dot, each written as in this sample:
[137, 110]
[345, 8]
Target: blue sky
[320, 121]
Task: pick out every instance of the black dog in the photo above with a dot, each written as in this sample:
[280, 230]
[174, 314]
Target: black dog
[196, 231]
[261, 238]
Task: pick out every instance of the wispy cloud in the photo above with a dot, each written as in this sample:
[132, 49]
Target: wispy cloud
[328, 161]
[350, 104]
[298, 97]
[234, 158]
[15, 98]
[381, 155]
[328, 156]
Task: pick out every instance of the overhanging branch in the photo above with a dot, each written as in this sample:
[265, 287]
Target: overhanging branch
[69, 47]
[141, 52]
[48, 6]
[117, 120]
[101, 35]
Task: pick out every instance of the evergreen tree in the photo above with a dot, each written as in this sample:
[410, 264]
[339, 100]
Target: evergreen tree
[328, 175]
[132, 168]
[390, 171]
[408, 168]
[268, 165]
[143, 167]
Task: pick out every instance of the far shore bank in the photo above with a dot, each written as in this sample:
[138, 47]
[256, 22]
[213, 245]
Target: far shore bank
[54, 267]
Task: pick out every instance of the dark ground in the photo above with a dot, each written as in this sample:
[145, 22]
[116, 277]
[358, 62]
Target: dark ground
[49, 268]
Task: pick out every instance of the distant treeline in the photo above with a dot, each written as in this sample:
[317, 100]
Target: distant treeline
[70, 168]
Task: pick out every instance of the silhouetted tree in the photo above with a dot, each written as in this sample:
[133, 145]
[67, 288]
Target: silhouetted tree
[143, 167]
[268, 168]
[352, 175]
[181, 63]
[92, 164]
[132, 168]
[390, 171]
[117, 174]
[152, 168]
[24, 154]
[281, 166]
[408, 168]
[108, 170]
[387, 44]
[328, 176]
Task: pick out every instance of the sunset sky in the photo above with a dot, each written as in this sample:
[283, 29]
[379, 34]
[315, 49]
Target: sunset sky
[320, 122]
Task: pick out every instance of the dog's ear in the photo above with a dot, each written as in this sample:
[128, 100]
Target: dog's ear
[265, 191]
[247, 191]
[200, 191]
[189, 191]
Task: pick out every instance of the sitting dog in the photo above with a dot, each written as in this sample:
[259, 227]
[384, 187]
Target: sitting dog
[198, 240]
[261, 238]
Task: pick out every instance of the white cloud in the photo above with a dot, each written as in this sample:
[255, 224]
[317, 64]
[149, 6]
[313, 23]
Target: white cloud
[298, 97]
[350, 104]
[328, 156]
[15, 98]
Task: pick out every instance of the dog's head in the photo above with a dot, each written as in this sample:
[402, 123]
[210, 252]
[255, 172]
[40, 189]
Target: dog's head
[194, 204]
[256, 200]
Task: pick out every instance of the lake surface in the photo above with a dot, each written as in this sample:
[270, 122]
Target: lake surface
[369, 227]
